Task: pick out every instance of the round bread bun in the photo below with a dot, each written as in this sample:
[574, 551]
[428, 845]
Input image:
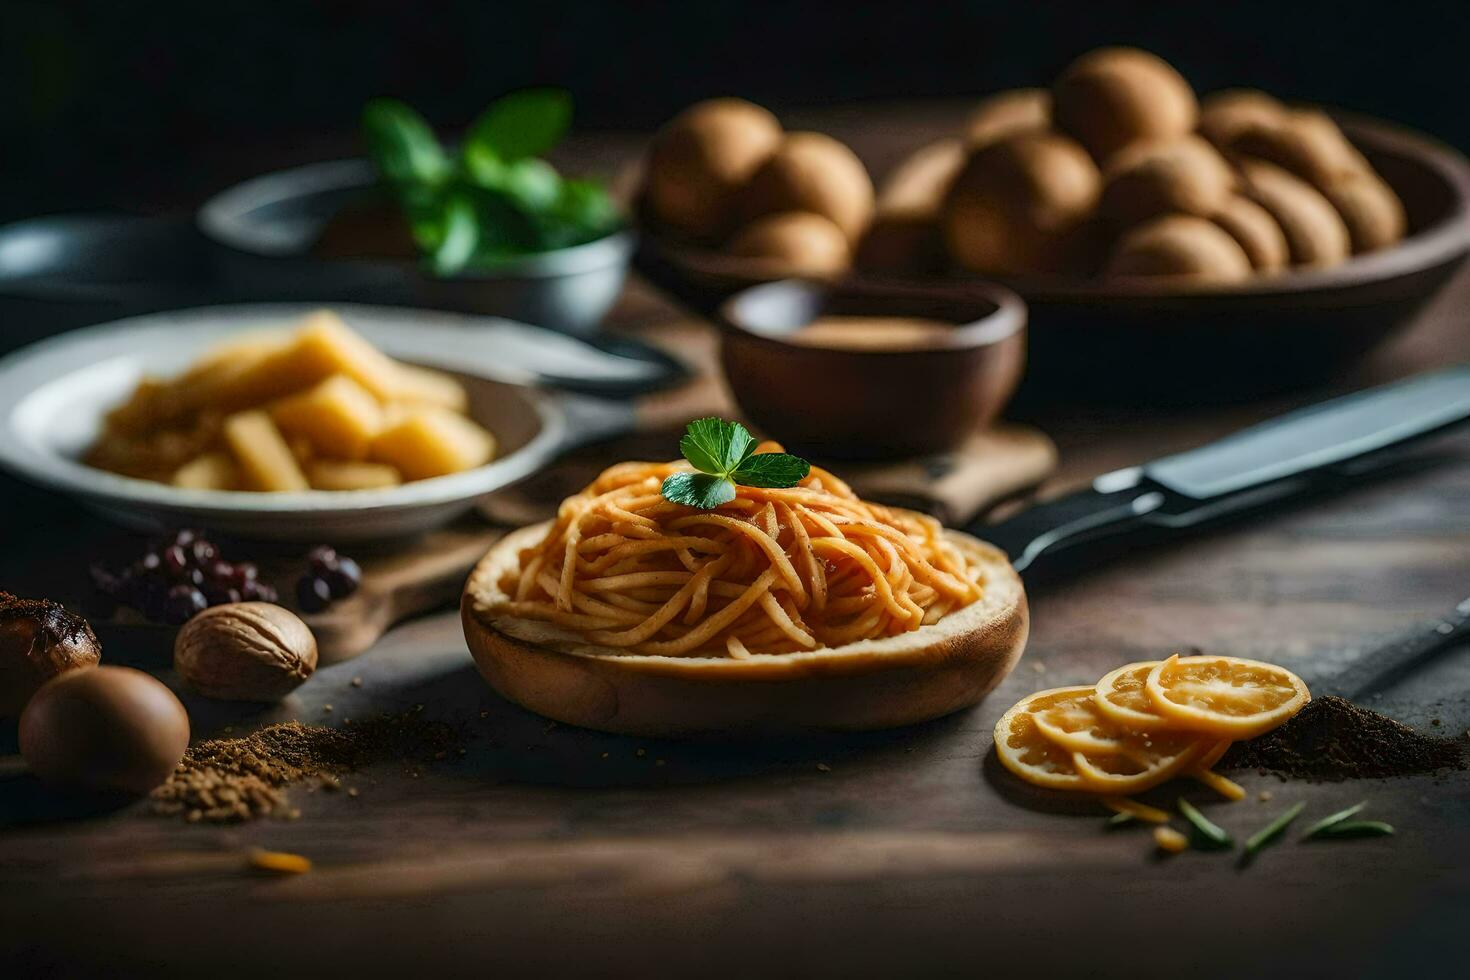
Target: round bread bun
[1017, 206]
[794, 243]
[812, 172]
[1006, 114]
[1145, 180]
[919, 183]
[1224, 115]
[700, 159]
[1373, 213]
[1315, 233]
[1111, 97]
[1180, 246]
[1255, 231]
[872, 684]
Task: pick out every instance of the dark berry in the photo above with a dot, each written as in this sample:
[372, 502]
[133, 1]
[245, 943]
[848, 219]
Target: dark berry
[150, 562]
[204, 551]
[218, 595]
[220, 571]
[322, 557]
[344, 579]
[312, 594]
[175, 561]
[182, 603]
[258, 591]
[185, 537]
[243, 571]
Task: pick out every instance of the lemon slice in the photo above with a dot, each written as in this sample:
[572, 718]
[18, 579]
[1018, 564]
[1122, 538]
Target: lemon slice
[1023, 750]
[1225, 696]
[1138, 769]
[1073, 722]
[1122, 697]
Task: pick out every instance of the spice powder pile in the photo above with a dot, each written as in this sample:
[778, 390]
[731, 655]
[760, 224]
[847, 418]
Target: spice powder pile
[1333, 739]
[229, 780]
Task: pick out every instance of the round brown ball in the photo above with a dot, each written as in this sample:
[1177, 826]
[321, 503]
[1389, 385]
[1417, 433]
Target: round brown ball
[1255, 231]
[1111, 97]
[1315, 233]
[1185, 176]
[812, 172]
[1006, 114]
[1180, 246]
[1018, 205]
[1309, 145]
[794, 243]
[701, 158]
[1224, 115]
[1373, 213]
[39, 640]
[919, 183]
[104, 730]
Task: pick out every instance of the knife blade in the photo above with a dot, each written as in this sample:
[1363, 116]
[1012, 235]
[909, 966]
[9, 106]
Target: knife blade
[1305, 450]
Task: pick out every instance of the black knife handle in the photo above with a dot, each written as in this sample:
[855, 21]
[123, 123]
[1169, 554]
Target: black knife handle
[1083, 516]
[1381, 666]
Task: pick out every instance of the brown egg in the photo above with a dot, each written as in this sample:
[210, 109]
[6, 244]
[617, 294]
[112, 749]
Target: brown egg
[1223, 115]
[1255, 231]
[1145, 180]
[815, 173]
[1180, 246]
[1315, 233]
[919, 183]
[1308, 145]
[1111, 97]
[1373, 213]
[1018, 205]
[1022, 110]
[793, 243]
[104, 730]
[701, 158]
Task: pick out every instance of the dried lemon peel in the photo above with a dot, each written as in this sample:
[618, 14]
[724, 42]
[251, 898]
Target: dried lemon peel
[1225, 696]
[1132, 808]
[1170, 840]
[278, 862]
[1228, 788]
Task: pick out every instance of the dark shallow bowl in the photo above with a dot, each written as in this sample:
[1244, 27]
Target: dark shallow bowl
[837, 402]
[1165, 342]
[264, 230]
[70, 270]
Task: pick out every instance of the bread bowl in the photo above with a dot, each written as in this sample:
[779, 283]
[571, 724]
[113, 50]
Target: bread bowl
[556, 670]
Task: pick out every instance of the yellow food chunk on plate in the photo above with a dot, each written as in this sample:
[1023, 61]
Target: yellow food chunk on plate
[429, 442]
[265, 460]
[426, 386]
[339, 417]
[337, 474]
[211, 471]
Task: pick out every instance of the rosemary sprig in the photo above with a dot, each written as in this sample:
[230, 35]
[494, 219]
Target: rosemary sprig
[1333, 819]
[1210, 833]
[1273, 829]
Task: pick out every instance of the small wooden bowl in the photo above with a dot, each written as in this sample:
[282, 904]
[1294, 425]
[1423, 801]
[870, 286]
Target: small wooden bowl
[868, 404]
[1167, 342]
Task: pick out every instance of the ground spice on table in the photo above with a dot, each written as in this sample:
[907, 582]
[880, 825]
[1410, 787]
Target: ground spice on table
[1333, 739]
[234, 779]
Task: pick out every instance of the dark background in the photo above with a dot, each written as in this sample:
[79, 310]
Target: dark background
[145, 106]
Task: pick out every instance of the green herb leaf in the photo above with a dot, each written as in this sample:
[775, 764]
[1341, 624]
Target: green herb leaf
[1273, 829]
[1333, 819]
[1359, 828]
[771, 470]
[1211, 834]
[715, 446]
[703, 490]
[522, 124]
[461, 236]
[401, 144]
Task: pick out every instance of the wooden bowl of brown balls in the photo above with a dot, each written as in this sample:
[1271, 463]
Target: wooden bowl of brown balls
[1103, 328]
[871, 372]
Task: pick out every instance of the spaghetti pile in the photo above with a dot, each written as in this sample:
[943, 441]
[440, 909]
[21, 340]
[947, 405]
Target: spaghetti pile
[772, 571]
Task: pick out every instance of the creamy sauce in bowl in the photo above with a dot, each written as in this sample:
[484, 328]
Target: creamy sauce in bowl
[873, 333]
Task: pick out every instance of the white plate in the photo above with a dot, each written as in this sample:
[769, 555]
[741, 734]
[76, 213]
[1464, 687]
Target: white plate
[54, 394]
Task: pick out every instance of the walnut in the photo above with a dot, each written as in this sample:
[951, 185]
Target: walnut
[245, 651]
[39, 640]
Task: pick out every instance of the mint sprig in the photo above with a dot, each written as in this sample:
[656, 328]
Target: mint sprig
[723, 455]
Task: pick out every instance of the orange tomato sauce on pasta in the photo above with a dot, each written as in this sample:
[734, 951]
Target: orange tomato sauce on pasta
[772, 571]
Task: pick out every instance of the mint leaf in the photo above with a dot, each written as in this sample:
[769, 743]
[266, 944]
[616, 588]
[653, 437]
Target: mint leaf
[522, 124]
[401, 144]
[716, 446]
[703, 490]
[771, 470]
[460, 238]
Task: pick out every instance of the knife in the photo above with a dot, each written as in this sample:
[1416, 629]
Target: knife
[1310, 449]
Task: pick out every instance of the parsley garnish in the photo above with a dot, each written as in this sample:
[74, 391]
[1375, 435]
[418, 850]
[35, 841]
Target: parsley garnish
[723, 454]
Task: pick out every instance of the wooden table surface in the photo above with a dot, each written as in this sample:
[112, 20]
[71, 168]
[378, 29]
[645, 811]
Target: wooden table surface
[555, 851]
